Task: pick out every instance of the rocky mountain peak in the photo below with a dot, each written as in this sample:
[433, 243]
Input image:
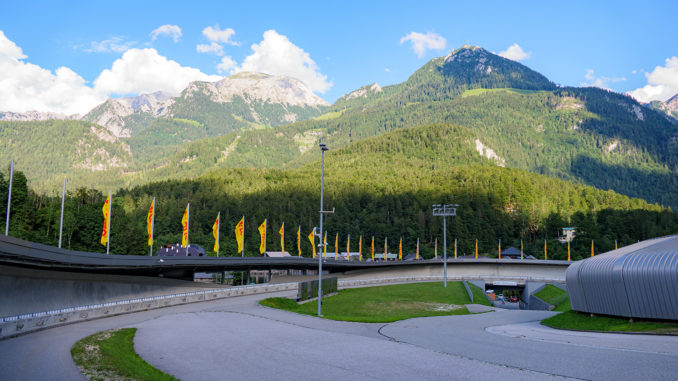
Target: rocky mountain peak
[364, 91]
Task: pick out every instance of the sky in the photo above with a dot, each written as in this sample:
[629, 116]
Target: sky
[68, 57]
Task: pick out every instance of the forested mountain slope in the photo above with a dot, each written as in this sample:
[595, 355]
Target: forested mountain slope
[382, 186]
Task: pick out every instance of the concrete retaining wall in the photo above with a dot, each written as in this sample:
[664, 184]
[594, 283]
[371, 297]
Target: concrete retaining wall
[29, 290]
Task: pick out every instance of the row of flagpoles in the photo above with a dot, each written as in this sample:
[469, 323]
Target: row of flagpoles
[240, 233]
[240, 237]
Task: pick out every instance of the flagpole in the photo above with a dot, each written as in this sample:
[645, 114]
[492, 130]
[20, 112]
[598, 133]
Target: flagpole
[9, 196]
[150, 252]
[299, 240]
[61, 221]
[108, 233]
[243, 237]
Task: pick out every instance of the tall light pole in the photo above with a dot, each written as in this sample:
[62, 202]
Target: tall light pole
[444, 211]
[323, 148]
[9, 196]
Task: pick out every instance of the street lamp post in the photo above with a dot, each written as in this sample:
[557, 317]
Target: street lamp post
[323, 148]
[444, 211]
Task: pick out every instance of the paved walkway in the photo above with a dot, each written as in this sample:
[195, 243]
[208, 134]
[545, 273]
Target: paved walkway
[236, 338]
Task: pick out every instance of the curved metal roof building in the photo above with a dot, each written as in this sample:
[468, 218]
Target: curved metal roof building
[639, 281]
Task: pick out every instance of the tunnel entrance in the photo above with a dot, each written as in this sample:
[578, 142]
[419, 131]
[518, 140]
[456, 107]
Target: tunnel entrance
[505, 294]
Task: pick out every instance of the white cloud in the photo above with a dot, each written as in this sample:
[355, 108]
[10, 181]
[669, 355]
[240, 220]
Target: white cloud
[276, 55]
[112, 45]
[602, 82]
[214, 34]
[8, 49]
[387, 70]
[422, 42]
[515, 53]
[662, 83]
[169, 30]
[25, 86]
[211, 48]
[143, 71]
[226, 65]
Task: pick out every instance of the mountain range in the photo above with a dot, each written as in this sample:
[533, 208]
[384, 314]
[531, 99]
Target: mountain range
[515, 118]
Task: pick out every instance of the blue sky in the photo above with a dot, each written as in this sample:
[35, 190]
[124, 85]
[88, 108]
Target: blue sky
[107, 48]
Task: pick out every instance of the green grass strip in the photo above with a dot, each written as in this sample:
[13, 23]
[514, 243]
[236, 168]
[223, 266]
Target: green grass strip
[554, 296]
[383, 304]
[110, 355]
[577, 321]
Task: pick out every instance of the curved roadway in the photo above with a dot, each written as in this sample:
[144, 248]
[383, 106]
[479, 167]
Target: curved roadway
[238, 339]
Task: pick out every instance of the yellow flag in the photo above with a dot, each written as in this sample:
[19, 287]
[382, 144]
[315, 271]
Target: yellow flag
[417, 248]
[400, 249]
[262, 233]
[107, 213]
[360, 248]
[299, 240]
[149, 222]
[311, 237]
[240, 233]
[373, 248]
[435, 249]
[184, 224]
[325, 246]
[282, 237]
[545, 252]
[336, 246]
[385, 247]
[348, 248]
[215, 233]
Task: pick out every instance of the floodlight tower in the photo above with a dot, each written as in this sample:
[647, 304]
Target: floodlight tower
[444, 211]
[323, 148]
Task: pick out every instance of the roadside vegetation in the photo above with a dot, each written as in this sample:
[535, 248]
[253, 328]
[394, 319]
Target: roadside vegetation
[555, 297]
[578, 321]
[110, 355]
[384, 304]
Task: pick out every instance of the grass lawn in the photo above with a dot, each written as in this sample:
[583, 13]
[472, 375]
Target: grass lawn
[554, 296]
[383, 304]
[578, 321]
[110, 355]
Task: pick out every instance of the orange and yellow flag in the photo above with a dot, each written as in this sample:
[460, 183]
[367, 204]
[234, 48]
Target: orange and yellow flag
[336, 246]
[240, 233]
[435, 249]
[360, 248]
[400, 249]
[373, 248]
[385, 247]
[184, 223]
[215, 233]
[311, 237]
[325, 246]
[299, 240]
[107, 214]
[348, 248]
[262, 234]
[417, 248]
[149, 222]
[282, 237]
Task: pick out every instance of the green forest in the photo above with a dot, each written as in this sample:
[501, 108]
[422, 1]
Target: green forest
[382, 187]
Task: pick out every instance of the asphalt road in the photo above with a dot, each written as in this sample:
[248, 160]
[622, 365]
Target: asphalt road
[238, 339]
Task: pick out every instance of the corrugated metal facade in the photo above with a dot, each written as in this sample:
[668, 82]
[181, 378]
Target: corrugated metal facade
[639, 281]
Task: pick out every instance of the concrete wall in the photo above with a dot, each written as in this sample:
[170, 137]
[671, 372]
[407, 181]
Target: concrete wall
[28, 290]
[467, 270]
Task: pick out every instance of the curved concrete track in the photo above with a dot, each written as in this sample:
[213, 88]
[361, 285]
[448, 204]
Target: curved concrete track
[238, 339]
